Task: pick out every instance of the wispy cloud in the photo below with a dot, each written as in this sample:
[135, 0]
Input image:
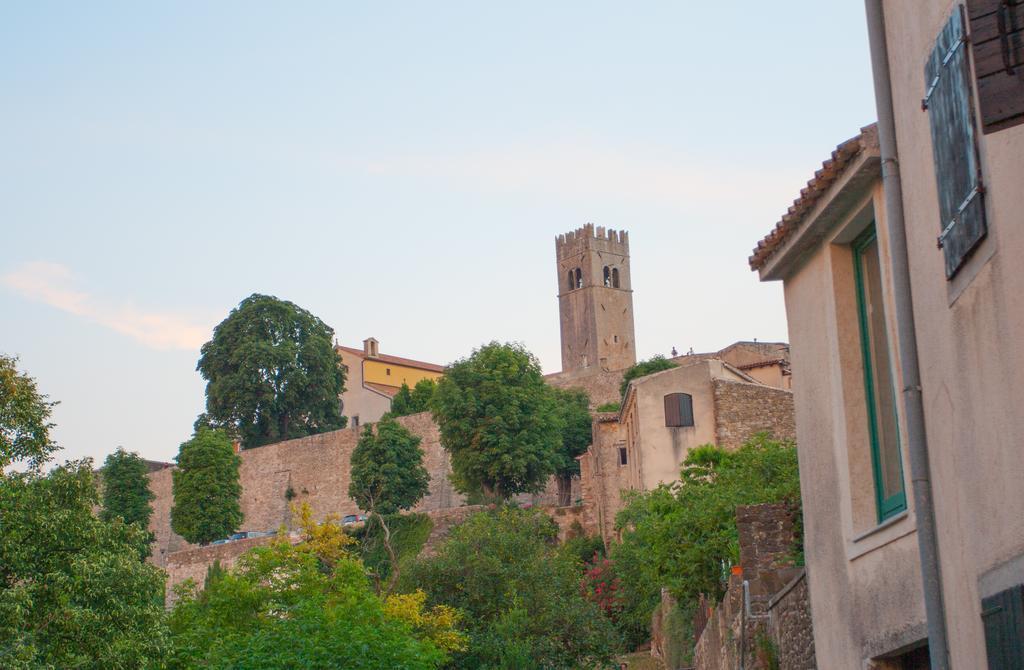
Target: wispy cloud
[54, 285]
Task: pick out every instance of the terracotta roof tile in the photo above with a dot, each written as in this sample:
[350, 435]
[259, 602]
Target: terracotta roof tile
[831, 170]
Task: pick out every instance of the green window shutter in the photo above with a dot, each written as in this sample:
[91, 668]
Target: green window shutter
[1003, 618]
[948, 99]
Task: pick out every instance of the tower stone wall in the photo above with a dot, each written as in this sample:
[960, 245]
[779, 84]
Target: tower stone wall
[595, 299]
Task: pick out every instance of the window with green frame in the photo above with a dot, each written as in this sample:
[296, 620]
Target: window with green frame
[890, 494]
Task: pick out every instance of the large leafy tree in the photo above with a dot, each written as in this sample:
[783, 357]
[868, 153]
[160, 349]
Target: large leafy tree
[387, 476]
[521, 597]
[73, 590]
[24, 418]
[499, 422]
[643, 368]
[681, 536]
[206, 488]
[306, 606]
[573, 408]
[126, 491]
[272, 373]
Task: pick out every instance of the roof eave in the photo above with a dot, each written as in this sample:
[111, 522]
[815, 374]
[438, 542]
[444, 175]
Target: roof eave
[841, 196]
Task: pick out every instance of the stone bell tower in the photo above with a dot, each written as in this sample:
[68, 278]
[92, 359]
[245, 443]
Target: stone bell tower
[595, 299]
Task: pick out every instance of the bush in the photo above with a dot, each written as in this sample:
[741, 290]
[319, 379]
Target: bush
[644, 368]
[520, 596]
[305, 606]
[684, 536]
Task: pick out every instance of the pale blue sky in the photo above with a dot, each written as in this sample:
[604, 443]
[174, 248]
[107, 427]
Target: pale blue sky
[399, 169]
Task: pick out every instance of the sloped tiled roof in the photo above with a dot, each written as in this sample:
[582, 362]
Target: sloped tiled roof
[831, 170]
[396, 360]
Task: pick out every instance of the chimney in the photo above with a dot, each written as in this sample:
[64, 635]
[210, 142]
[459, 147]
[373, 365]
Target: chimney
[370, 347]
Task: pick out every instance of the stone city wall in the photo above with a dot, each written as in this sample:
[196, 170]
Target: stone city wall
[743, 410]
[315, 469]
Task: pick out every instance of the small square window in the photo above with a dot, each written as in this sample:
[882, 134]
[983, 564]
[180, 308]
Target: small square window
[388, 371]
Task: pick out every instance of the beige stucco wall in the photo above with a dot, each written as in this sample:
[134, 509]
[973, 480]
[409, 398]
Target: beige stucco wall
[969, 343]
[658, 450]
[728, 409]
[863, 576]
[358, 400]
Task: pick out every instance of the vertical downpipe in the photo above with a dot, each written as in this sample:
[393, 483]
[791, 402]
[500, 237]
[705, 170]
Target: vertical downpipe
[917, 446]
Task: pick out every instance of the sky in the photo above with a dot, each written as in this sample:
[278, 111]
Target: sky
[400, 169]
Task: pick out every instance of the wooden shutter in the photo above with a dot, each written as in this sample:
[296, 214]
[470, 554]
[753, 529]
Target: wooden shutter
[948, 100]
[672, 410]
[1003, 618]
[997, 40]
[685, 409]
[678, 409]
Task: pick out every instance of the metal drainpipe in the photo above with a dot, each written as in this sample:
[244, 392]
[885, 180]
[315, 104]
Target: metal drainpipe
[917, 443]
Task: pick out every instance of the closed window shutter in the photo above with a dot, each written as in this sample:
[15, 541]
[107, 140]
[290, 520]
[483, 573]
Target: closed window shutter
[997, 42]
[672, 410]
[685, 409]
[678, 409]
[1003, 618]
[957, 172]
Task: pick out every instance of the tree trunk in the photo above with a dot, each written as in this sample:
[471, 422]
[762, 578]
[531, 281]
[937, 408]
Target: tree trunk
[392, 558]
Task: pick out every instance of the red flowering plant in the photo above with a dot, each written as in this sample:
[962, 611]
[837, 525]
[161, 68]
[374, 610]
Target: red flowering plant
[600, 585]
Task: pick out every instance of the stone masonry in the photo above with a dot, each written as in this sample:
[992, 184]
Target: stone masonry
[742, 410]
[316, 471]
[779, 612]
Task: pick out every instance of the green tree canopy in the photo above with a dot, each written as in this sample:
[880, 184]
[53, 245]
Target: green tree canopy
[498, 421]
[520, 595]
[387, 476]
[387, 473]
[644, 368]
[24, 418]
[413, 401]
[73, 590]
[681, 536]
[126, 491]
[286, 606]
[272, 373]
[573, 408]
[206, 488]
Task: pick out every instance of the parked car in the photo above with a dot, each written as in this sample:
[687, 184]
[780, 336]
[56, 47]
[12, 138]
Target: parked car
[350, 519]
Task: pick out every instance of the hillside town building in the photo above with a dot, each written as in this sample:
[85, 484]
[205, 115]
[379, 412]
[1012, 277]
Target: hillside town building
[905, 307]
[372, 379]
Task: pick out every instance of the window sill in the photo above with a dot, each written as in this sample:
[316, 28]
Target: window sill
[888, 531]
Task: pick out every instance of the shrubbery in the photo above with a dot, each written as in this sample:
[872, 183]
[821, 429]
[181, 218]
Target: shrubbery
[684, 537]
[520, 595]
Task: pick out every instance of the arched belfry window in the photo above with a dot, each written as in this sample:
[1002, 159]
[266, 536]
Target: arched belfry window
[615, 277]
[678, 409]
[607, 276]
[579, 278]
[571, 284]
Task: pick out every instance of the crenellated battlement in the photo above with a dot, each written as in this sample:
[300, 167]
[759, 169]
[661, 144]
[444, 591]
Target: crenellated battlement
[577, 240]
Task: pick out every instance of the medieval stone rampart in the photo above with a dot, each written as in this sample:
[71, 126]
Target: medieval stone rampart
[313, 470]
